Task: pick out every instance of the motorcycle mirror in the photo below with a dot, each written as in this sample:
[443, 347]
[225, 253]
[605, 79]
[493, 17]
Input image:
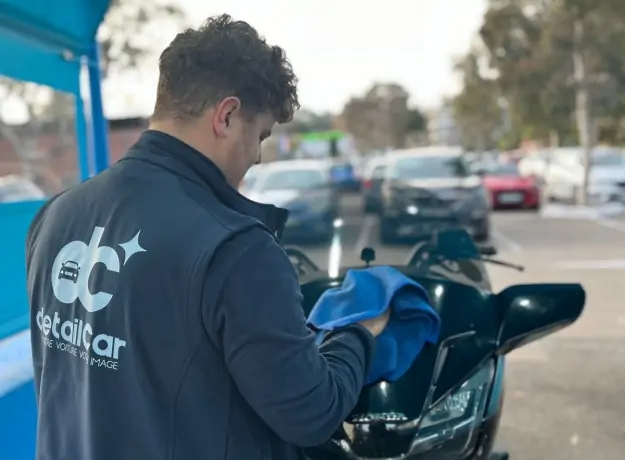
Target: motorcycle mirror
[532, 311]
[488, 250]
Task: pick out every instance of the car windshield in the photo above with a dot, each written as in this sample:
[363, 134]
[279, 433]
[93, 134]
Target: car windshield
[295, 179]
[505, 169]
[374, 167]
[378, 171]
[430, 167]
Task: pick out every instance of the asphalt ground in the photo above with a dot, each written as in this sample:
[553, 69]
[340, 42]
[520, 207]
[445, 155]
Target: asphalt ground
[565, 394]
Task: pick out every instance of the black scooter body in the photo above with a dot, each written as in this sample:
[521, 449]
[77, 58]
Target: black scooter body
[398, 420]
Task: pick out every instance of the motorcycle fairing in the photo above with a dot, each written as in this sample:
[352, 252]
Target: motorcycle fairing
[470, 320]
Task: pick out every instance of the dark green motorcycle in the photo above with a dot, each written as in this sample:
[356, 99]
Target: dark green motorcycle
[448, 405]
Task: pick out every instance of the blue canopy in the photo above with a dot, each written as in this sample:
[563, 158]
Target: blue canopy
[42, 40]
[50, 42]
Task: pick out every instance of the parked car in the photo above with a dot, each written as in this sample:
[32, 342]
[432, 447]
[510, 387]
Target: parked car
[535, 164]
[250, 178]
[564, 176]
[431, 184]
[372, 180]
[507, 189]
[345, 176]
[18, 188]
[305, 188]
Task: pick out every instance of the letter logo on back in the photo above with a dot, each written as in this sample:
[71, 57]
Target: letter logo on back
[74, 263]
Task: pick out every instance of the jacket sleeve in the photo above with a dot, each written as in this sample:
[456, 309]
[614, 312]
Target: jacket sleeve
[302, 391]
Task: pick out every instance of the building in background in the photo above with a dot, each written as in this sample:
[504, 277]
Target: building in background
[55, 167]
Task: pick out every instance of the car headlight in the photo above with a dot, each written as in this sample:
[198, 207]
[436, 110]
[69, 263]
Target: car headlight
[458, 416]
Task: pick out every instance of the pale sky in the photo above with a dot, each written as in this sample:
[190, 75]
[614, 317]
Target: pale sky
[338, 47]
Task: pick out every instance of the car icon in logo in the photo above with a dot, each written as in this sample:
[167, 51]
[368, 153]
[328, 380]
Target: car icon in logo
[69, 271]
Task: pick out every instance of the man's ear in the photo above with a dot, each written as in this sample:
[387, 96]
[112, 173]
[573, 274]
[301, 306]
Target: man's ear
[225, 113]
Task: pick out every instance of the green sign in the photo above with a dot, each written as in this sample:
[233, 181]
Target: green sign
[322, 136]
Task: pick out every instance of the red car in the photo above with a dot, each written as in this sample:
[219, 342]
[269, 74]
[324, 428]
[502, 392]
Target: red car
[507, 189]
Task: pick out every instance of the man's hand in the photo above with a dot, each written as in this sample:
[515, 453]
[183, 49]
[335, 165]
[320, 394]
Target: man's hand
[377, 325]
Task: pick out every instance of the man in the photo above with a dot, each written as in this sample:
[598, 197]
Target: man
[165, 317]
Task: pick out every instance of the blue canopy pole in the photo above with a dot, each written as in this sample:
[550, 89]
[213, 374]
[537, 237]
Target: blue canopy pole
[81, 139]
[84, 125]
[82, 132]
[98, 120]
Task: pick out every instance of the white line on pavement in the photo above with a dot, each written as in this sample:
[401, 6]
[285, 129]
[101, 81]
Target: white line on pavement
[334, 256]
[611, 224]
[510, 244]
[364, 237]
[564, 211]
[602, 264]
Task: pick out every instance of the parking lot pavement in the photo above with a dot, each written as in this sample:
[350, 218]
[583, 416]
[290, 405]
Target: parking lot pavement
[564, 396]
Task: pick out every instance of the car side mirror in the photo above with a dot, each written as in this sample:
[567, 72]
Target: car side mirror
[532, 311]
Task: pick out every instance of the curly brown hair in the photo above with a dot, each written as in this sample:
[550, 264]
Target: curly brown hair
[224, 58]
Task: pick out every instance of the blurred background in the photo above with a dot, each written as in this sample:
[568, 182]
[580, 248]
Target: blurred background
[517, 106]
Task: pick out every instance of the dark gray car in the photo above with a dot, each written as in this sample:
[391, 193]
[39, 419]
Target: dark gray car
[425, 189]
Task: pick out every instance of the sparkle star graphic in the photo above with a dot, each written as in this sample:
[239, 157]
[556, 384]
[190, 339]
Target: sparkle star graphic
[132, 247]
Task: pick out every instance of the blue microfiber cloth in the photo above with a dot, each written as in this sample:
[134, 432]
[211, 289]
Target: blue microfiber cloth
[367, 293]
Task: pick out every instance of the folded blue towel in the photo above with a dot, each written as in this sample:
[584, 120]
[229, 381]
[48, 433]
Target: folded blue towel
[367, 293]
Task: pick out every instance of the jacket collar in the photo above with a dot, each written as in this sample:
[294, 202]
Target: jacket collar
[190, 163]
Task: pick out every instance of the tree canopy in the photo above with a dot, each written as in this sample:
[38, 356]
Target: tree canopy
[528, 72]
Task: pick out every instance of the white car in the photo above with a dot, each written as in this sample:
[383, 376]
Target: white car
[564, 176]
[17, 188]
[249, 181]
[535, 164]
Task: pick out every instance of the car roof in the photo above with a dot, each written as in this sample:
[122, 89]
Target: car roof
[16, 183]
[290, 165]
[433, 151]
[14, 179]
[374, 163]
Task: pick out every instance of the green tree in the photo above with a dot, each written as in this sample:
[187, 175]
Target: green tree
[533, 62]
[477, 108]
[559, 66]
[531, 46]
[382, 118]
